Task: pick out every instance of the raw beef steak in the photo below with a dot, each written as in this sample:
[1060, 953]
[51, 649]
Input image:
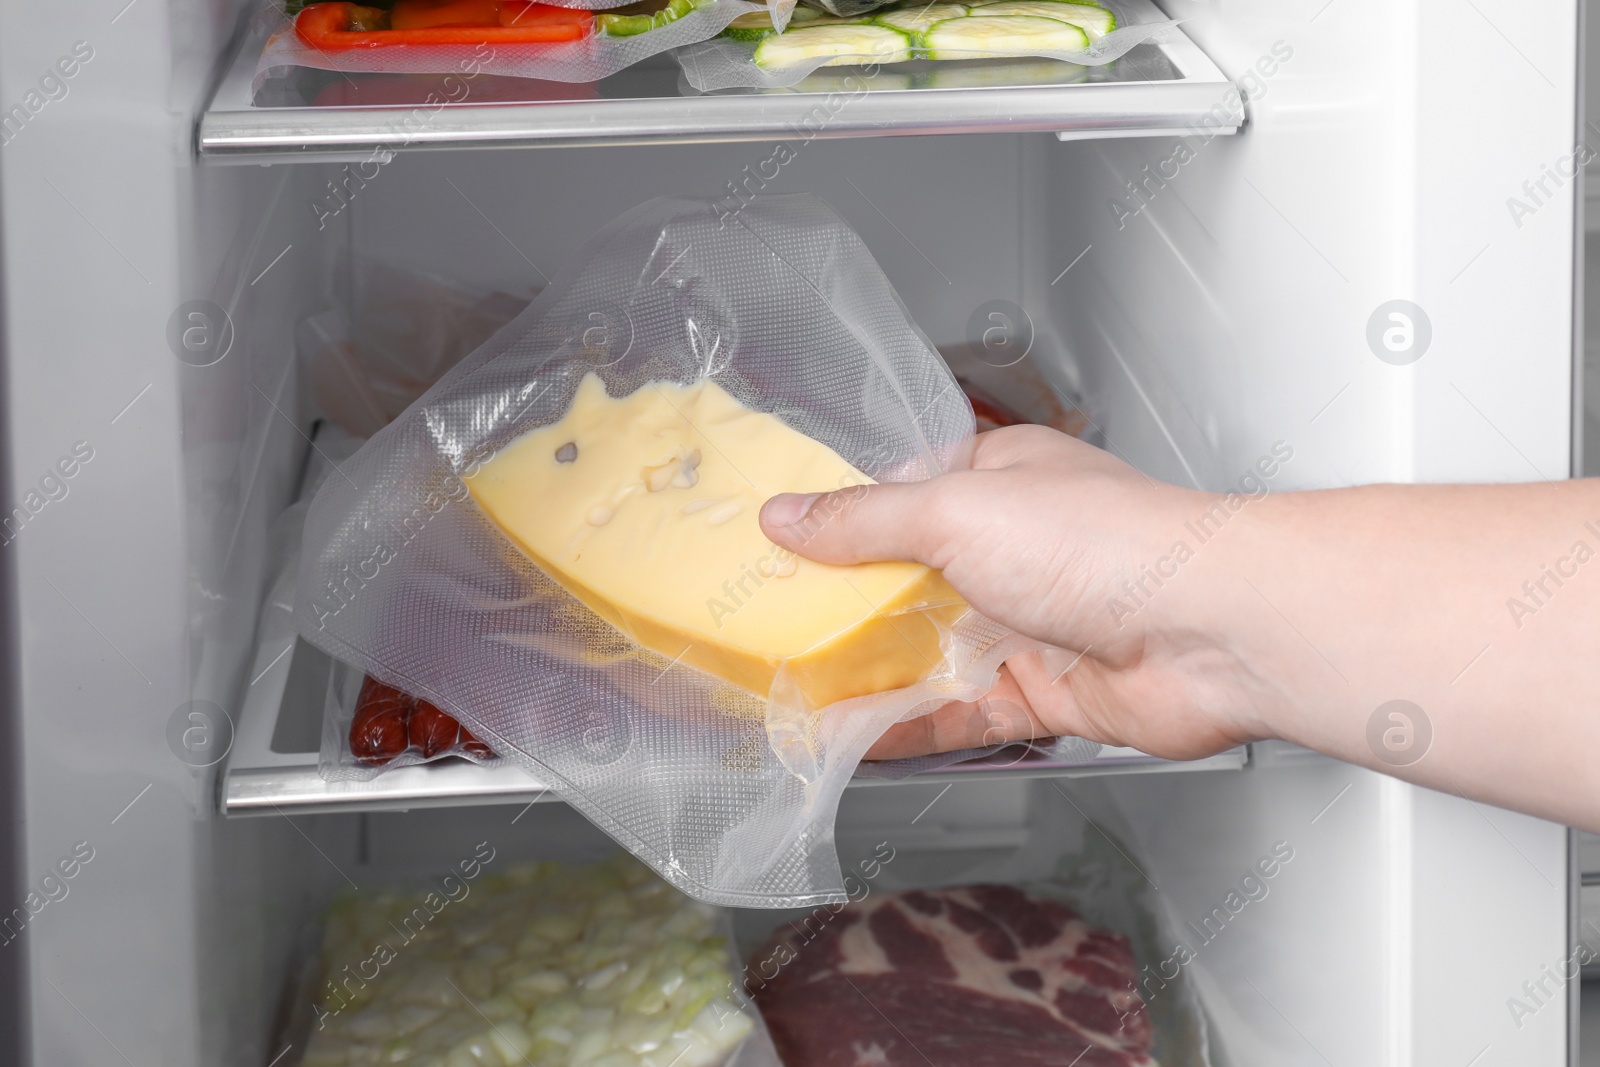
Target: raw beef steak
[967, 977]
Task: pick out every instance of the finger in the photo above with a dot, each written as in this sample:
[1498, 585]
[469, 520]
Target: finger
[1048, 691]
[1002, 716]
[861, 524]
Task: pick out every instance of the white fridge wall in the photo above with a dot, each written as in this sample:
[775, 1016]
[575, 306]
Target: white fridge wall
[940, 214]
[1377, 165]
[1418, 918]
[1395, 935]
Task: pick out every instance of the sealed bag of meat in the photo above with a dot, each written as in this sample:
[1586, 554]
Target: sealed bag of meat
[1005, 390]
[972, 975]
[369, 727]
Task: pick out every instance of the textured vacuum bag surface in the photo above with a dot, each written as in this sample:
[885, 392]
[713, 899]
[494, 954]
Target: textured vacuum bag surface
[728, 788]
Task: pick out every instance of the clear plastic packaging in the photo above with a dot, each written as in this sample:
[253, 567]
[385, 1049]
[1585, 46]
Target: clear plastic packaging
[984, 973]
[1054, 838]
[590, 59]
[369, 727]
[533, 964]
[1009, 389]
[391, 336]
[729, 794]
[1079, 850]
[726, 63]
[846, 8]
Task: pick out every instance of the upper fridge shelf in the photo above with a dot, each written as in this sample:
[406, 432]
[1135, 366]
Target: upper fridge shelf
[272, 766]
[301, 114]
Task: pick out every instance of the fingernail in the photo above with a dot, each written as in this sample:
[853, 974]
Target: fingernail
[786, 509]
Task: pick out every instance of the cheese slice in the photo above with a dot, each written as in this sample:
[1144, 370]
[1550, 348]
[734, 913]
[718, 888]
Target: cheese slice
[645, 507]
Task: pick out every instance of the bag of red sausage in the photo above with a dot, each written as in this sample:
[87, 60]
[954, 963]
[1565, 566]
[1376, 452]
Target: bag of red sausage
[369, 727]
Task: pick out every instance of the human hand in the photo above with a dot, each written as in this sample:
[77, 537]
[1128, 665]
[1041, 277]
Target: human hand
[1300, 619]
[1043, 534]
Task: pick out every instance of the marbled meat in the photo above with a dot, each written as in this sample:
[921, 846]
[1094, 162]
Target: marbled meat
[966, 977]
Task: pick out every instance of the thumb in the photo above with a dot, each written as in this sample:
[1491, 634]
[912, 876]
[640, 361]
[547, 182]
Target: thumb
[861, 524]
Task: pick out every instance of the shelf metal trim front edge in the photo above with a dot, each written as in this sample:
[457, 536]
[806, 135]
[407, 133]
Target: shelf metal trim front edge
[309, 132]
[301, 790]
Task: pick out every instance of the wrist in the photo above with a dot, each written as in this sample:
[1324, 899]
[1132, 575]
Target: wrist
[1289, 594]
[1241, 655]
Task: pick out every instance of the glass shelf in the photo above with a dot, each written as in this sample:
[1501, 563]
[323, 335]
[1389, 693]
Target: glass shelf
[1169, 87]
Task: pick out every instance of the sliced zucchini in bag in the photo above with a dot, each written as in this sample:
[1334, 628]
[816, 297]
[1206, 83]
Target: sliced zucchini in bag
[754, 25]
[1091, 18]
[977, 36]
[642, 18]
[750, 26]
[837, 46]
[915, 18]
[612, 24]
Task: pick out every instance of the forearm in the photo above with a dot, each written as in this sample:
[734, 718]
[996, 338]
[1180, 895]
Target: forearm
[1478, 604]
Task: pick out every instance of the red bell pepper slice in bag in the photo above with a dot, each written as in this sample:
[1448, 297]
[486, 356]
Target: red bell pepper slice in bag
[428, 14]
[340, 25]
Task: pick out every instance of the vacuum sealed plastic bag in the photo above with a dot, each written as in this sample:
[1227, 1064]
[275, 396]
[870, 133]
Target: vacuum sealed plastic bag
[871, 36]
[984, 974]
[518, 39]
[1092, 867]
[389, 337]
[369, 727]
[1009, 924]
[731, 343]
[533, 964]
[1005, 391]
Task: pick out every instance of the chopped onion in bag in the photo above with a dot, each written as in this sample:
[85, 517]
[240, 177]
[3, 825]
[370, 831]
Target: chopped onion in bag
[540, 965]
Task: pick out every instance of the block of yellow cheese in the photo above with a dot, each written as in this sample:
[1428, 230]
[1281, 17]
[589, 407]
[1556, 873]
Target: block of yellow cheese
[645, 507]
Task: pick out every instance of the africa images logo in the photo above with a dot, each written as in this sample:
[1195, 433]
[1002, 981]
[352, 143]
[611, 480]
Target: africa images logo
[1399, 733]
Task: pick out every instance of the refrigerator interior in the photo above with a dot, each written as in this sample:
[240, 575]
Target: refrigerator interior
[1204, 310]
